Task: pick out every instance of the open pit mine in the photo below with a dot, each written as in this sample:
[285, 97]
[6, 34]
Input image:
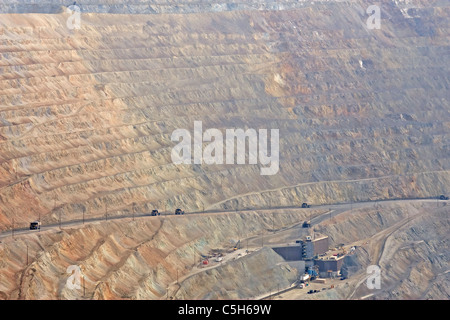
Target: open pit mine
[347, 101]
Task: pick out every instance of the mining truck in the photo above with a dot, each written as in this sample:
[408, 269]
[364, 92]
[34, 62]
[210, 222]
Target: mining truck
[35, 225]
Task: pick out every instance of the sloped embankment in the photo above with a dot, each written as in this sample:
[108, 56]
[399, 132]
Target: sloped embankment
[409, 242]
[86, 115]
[130, 259]
[256, 274]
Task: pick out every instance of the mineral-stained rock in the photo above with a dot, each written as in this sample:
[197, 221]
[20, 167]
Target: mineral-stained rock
[86, 115]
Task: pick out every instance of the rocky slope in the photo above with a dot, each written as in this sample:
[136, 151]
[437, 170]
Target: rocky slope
[86, 114]
[86, 117]
[259, 273]
[155, 257]
[140, 259]
[410, 244]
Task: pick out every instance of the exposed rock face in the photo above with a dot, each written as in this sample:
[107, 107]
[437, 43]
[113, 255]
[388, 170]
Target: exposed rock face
[248, 277]
[410, 244]
[86, 114]
[86, 117]
[143, 259]
[140, 259]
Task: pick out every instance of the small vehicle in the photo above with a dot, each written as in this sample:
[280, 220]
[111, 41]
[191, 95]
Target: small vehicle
[155, 213]
[305, 205]
[35, 225]
[179, 211]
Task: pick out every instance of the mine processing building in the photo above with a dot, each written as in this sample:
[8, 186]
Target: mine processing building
[313, 253]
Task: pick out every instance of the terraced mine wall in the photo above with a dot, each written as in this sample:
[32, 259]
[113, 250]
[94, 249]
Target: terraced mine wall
[251, 276]
[141, 259]
[86, 115]
[409, 242]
